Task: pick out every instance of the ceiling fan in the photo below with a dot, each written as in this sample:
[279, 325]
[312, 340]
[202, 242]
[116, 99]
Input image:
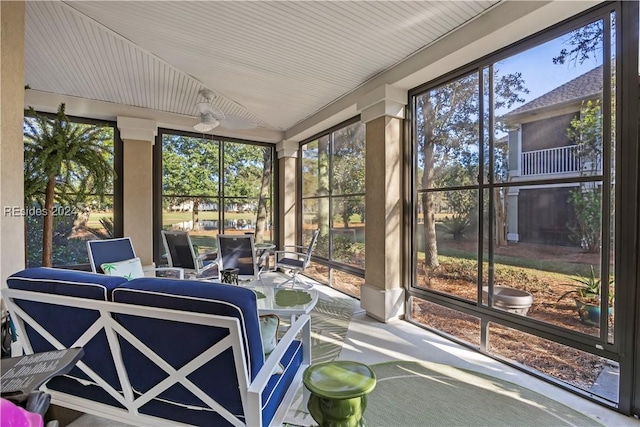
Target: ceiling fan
[211, 116]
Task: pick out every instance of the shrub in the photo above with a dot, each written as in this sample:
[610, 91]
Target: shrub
[458, 225]
[585, 230]
[106, 232]
[66, 251]
[503, 275]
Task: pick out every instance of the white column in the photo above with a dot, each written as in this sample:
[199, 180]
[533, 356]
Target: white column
[515, 171]
[12, 253]
[512, 215]
[382, 110]
[138, 137]
[287, 197]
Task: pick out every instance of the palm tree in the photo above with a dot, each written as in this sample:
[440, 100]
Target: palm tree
[66, 155]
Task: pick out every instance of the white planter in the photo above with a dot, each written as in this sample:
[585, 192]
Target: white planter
[509, 299]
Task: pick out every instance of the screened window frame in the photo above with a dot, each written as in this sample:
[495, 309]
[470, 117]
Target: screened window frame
[158, 194]
[624, 306]
[329, 262]
[118, 189]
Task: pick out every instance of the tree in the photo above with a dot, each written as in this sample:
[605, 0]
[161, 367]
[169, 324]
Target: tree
[62, 161]
[323, 191]
[447, 130]
[463, 204]
[265, 189]
[442, 114]
[247, 178]
[190, 169]
[348, 170]
[586, 132]
[584, 42]
[587, 203]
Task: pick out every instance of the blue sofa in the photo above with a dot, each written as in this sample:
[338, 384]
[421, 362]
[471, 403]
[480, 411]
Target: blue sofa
[158, 351]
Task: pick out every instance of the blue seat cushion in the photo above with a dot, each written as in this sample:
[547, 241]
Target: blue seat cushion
[57, 319]
[291, 262]
[279, 384]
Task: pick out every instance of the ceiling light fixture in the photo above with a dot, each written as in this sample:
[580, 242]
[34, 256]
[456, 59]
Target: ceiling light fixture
[207, 122]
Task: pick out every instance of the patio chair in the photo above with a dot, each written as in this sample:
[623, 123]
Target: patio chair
[296, 261]
[181, 253]
[239, 251]
[121, 259]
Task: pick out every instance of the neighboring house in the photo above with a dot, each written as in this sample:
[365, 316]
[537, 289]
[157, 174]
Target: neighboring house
[539, 149]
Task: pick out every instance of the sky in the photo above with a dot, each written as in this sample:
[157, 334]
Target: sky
[539, 72]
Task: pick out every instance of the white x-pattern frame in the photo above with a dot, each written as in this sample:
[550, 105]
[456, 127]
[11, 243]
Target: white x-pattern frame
[251, 392]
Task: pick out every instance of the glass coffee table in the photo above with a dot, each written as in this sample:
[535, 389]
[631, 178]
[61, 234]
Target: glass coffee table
[284, 302]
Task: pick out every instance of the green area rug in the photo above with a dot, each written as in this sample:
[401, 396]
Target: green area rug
[411, 394]
[329, 324]
[329, 318]
[422, 394]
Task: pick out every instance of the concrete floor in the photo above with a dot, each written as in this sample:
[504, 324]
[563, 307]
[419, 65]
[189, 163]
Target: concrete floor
[370, 341]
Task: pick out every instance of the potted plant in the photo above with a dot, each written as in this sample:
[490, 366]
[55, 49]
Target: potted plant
[587, 297]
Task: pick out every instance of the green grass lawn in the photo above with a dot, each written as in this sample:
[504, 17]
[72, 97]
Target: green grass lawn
[204, 243]
[207, 242]
[169, 218]
[556, 267]
[94, 218]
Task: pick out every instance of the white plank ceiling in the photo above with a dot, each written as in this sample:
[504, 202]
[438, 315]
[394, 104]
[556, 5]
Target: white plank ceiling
[271, 63]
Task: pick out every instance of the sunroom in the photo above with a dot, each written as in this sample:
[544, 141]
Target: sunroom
[452, 155]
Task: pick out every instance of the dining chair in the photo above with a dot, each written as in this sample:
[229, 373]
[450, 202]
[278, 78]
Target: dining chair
[181, 253]
[239, 251]
[296, 260]
[117, 257]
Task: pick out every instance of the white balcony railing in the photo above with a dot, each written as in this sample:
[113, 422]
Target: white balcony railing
[550, 161]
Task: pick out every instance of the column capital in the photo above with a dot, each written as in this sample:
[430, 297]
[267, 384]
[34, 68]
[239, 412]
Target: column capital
[138, 129]
[385, 100]
[287, 148]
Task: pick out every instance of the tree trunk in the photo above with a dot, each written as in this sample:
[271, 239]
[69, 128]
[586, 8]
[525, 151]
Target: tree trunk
[430, 241]
[428, 204]
[195, 224]
[500, 215]
[345, 214]
[261, 216]
[47, 224]
[323, 187]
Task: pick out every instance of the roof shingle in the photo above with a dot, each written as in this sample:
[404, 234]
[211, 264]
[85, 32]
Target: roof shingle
[589, 83]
